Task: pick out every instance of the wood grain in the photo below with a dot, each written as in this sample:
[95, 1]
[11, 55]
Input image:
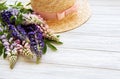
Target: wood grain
[91, 51]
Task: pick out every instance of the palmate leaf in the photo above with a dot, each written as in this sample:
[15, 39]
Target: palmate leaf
[19, 19]
[24, 10]
[21, 8]
[50, 43]
[17, 5]
[51, 46]
[3, 6]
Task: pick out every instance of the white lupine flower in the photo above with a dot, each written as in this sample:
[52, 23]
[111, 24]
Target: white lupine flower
[13, 60]
[32, 19]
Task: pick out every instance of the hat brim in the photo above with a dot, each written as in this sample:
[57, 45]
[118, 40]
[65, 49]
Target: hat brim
[72, 20]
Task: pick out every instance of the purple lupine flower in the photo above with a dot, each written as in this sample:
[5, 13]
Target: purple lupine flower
[40, 40]
[34, 45]
[36, 19]
[14, 11]
[38, 34]
[39, 37]
[22, 31]
[6, 17]
[15, 33]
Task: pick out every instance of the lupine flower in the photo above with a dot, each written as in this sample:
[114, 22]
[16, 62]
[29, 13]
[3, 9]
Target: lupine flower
[22, 31]
[40, 41]
[16, 48]
[47, 33]
[6, 17]
[23, 49]
[27, 53]
[34, 45]
[12, 54]
[14, 11]
[26, 50]
[36, 19]
[12, 59]
[29, 34]
[32, 19]
[39, 37]
[5, 44]
[15, 33]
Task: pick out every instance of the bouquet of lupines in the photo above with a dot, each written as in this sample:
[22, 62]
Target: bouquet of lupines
[22, 32]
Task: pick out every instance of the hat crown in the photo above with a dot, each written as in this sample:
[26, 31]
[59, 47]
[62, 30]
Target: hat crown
[52, 5]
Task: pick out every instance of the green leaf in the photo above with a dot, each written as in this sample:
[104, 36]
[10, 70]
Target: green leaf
[55, 42]
[24, 10]
[19, 4]
[1, 33]
[28, 4]
[15, 2]
[5, 31]
[58, 36]
[1, 48]
[19, 19]
[12, 18]
[1, 21]
[3, 6]
[8, 36]
[4, 54]
[52, 47]
[45, 49]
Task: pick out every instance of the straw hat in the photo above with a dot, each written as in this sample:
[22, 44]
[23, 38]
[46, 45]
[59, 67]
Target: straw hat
[70, 21]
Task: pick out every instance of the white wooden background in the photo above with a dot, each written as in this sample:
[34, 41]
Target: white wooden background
[89, 52]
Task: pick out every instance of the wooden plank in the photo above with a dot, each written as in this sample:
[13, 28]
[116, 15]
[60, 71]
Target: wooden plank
[47, 71]
[105, 10]
[102, 30]
[84, 58]
[89, 52]
[105, 2]
[75, 58]
[77, 41]
[104, 19]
